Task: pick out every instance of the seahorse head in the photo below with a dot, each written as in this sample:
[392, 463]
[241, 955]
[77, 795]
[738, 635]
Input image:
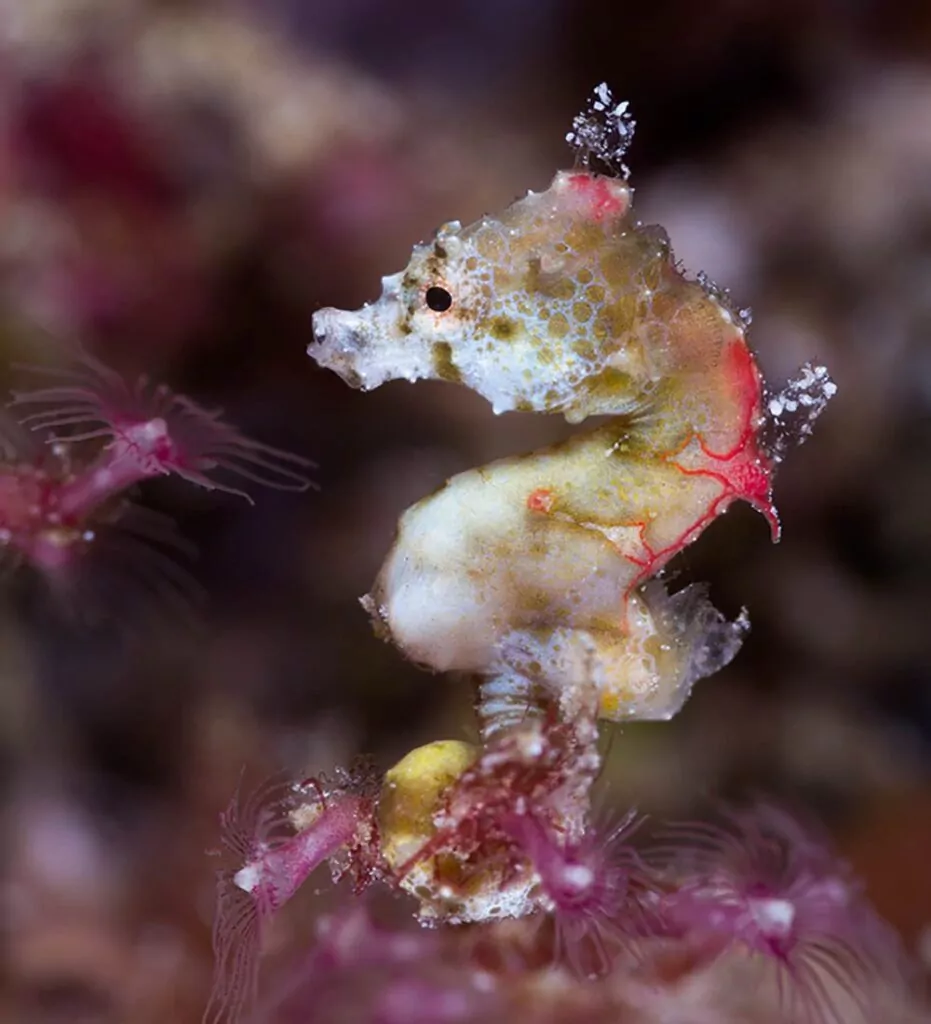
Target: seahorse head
[546, 308]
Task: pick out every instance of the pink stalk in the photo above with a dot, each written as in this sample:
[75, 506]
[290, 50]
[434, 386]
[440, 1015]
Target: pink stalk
[72, 527]
[105, 478]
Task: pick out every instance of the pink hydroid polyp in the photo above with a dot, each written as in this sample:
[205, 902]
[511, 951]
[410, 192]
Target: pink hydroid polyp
[759, 882]
[271, 861]
[593, 884]
[152, 431]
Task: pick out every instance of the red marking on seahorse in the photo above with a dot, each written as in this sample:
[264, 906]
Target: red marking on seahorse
[743, 472]
[541, 500]
[604, 197]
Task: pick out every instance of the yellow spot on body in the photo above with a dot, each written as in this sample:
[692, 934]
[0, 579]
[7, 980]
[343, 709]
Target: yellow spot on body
[608, 705]
[556, 288]
[490, 245]
[411, 794]
[618, 317]
[443, 365]
[584, 237]
[610, 382]
[616, 269]
[582, 311]
[503, 328]
[503, 279]
[558, 326]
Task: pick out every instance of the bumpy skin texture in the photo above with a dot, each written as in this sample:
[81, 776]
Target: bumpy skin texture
[535, 565]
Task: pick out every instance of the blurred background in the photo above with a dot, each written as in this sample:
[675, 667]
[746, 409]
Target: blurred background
[183, 183]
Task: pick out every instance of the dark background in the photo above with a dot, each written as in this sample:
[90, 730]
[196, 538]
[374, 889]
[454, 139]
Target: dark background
[184, 183]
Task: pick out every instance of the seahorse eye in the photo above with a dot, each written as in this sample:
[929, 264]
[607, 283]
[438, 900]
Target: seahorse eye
[438, 299]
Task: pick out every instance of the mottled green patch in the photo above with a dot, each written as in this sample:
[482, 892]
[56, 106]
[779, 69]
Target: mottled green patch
[490, 245]
[583, 348]
[618, 268]
[443, 365]
[558, 288]
[558, 326]
[581, 311]
[617, 319]
[545, 356]
[503, 280]
[539, 602]
[503, 328]
[585, 237]
[551, 285]
[610, 383]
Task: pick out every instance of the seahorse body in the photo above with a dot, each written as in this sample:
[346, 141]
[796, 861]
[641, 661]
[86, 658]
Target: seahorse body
[535, 564]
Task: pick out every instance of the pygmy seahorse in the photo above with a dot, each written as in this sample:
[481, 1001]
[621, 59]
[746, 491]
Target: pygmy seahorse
[533, 571]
